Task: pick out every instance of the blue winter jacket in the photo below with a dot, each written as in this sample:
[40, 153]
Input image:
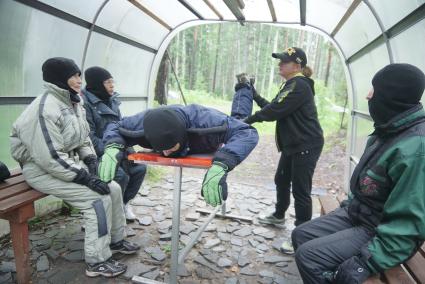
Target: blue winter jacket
[99, 115]
[231, 146]
[242, 101]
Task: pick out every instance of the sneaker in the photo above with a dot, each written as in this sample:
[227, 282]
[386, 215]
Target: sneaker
[124, 247]
[271, 220]
[109, 268]
[287, 248]
[129, 214]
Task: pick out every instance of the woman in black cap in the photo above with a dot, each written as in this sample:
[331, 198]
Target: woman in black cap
[382, 224]
[102, 107]
[299, 136]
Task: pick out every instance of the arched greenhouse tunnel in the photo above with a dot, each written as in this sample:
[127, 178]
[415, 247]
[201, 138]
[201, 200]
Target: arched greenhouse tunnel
[179, 51]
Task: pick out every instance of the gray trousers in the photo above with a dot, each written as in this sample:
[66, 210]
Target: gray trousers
[322, 244]
[103, 214]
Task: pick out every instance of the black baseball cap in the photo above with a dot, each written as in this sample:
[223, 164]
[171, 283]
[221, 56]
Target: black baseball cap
[292, 54]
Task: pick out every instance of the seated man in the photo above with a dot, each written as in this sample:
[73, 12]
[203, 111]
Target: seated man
[102, 107]
[383, 222]
[50, 140]
[242, 99]
[178, 131]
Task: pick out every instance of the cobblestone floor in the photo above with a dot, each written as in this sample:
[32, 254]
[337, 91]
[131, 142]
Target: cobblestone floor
[227, 252]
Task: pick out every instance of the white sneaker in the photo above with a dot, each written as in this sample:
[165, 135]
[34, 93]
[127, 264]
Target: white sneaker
[287, 248]
[129, 214]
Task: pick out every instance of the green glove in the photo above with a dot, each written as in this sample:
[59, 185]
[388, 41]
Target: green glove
[110, 161]
[214, 186]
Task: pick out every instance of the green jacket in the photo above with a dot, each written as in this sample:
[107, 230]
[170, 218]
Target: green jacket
[52, 135]
[388, 190]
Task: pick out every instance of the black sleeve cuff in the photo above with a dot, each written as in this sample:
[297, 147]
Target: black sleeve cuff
[226, 158]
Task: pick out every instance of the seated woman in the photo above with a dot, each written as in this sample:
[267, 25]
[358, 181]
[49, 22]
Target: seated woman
[50, 140]
[383, 222]
[102, 107]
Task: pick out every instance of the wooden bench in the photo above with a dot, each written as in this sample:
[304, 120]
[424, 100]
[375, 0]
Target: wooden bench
[412, 271]
[17, 206]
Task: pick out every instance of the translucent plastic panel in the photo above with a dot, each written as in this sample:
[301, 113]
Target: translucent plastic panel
[172, 12]
[413, 41]
[364, 127]
[203, 9]
[222, 9]
[257, 11]
[82, 9]
[363, 71]
[130, 108]
[128, 65]
[360, 29]
[390, 12]
[125, 19]
[9, 113]
[327, 18]
[287, 10]
[28, 38]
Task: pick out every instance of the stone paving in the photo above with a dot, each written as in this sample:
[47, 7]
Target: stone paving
[227, 252]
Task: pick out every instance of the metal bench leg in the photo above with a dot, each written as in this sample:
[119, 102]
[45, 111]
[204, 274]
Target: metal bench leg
[176, 225]
[20, 241]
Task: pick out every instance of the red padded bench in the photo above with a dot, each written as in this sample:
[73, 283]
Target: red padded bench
[17, 206]
[412, 271]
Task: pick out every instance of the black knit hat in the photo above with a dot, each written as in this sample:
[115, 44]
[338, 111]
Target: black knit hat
[164, 129]
[292, 54]
[58, 70]
[95, 76]
[396, 88]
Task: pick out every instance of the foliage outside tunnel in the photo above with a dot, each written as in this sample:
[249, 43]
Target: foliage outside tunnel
[206, 59]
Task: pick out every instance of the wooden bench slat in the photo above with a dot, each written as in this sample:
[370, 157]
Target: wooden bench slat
[19, 200]
[373, 280]
[14, 190]
[328, 204]
[397, 275]
[416, 267]
[11, 182]
[15, 172]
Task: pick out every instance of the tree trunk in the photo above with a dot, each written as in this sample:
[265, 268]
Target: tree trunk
[272, 68]
[192, 65]
[216, 59]
[328, 65]
[161, 88]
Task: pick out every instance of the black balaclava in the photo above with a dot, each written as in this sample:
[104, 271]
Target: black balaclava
[58, 70]
[164, 129]
[95, 76]
[396, 88]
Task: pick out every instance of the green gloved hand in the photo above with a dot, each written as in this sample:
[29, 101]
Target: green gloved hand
[214, 186]
[110, 161]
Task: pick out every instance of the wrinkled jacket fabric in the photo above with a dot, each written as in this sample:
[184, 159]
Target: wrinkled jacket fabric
[231, 146]
[242, 102]
[388, 190]
[99, 115]
[52, 135]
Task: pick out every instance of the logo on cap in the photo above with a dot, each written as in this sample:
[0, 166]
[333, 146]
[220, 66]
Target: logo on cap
[290, 51]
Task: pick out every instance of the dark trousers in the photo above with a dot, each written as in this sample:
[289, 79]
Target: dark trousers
[322, 244]
[296, 169]
[130, 178]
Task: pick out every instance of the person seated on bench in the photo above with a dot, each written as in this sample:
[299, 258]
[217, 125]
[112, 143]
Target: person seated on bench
[383, 222]
[102, 107]
[177, 131]
[50, 140]
[243, 97]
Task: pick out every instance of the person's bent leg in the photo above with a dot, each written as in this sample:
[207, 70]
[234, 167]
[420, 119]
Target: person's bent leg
[303, 165]
[283, 186]
[136, 174]
[122, 178]
[117, 210]
[317, 259]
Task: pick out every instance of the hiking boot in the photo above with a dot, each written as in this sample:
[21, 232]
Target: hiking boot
[124, 247]
[271, 220]
[108, 268]
[129, 214]
[287, 248]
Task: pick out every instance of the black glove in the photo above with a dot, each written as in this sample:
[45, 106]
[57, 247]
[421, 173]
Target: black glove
[91, 163]
[249, 120]
[91, 181]
[352, 271]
